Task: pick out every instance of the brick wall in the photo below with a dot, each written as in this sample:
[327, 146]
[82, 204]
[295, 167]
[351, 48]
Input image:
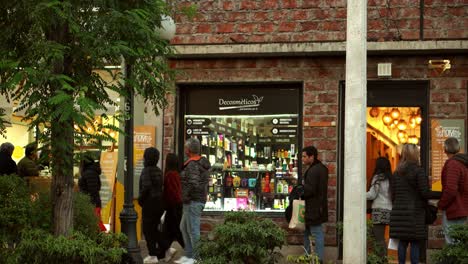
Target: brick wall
[265, 21]
[321, 77]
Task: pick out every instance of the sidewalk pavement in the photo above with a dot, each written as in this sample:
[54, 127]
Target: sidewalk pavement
[285, 251]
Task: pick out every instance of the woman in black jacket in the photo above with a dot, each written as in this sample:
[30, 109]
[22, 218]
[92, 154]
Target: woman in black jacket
[410, 192]
[90, 183]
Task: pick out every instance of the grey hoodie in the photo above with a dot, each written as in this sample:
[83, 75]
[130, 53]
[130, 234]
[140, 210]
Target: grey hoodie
[194, 180]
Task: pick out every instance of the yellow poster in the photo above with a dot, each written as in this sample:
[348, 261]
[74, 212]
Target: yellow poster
[441, 129]
[109, 168]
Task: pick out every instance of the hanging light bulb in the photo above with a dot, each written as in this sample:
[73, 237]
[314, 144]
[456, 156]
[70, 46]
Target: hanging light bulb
[395, 113]
[387, 119]
[402, 134]
[418, 117]
[402, 124]
[413, 139]
[374, 112]
[418, 120]
[392, 126]
[404, 139]
[396, 121]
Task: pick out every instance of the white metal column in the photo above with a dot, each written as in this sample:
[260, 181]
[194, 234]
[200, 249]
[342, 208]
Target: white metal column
[354, 224]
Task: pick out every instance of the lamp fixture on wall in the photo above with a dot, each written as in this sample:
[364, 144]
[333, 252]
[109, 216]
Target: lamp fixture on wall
[439, 66]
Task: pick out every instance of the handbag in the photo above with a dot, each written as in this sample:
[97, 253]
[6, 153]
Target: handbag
[298, 216]
[431, 214]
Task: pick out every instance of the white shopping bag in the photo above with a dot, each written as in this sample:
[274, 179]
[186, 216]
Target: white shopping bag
[393, 243]
[298, 215]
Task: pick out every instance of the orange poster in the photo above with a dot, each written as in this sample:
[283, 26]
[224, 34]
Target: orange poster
[109, 168]
[441, 129]
[143, 137]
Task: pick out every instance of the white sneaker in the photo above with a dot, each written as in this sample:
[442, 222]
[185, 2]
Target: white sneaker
[151, 260]
[181, 260]
[169, 254]
[189, 261]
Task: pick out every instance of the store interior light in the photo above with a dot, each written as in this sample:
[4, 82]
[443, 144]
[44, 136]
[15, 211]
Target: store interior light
[401, 134]
[374, 112]
[387, 119]
[418, 117]
[395, 113]
[401, 124]
[413, 139]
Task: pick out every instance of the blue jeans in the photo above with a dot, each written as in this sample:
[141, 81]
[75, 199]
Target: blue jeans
[414, 251]
[190, 226]
[446, 224]
[317, 232]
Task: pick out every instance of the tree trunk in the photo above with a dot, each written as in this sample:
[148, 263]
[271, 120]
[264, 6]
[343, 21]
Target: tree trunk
[62, 181]
[62, 145]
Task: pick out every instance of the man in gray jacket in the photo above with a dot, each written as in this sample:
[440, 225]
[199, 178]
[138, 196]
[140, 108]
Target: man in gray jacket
[194, 181]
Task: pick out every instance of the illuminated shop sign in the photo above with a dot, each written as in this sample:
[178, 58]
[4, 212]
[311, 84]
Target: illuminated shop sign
[244, 100]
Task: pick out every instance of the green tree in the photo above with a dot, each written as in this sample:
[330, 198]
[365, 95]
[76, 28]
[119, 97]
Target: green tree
[49, 50]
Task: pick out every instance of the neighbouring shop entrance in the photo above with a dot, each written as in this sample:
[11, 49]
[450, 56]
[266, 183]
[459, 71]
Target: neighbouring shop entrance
[251, 134]
[397, 113]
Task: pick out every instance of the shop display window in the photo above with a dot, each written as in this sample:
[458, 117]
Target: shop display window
[253, 158]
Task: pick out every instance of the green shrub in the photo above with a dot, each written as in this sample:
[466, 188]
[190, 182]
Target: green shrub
[84, 219]
[15, 207]
[244, 237]
[26, 223]
[306, 259]
[38, 246]
[457, 252]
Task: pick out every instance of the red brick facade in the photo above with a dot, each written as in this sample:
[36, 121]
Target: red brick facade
[272, 21]
[266, 21]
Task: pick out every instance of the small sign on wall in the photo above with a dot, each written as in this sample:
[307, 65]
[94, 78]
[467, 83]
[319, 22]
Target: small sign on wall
[441, 129]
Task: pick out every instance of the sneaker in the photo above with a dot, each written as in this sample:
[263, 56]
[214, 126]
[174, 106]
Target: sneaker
[169, 254]
[189, 261]
[181, 260]
[150, 260]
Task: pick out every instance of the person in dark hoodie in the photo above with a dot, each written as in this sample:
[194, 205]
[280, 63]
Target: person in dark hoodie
[90, 183]
[194, 181]
[454, 200]
[7, 164]
[410, 194]
[150, 199]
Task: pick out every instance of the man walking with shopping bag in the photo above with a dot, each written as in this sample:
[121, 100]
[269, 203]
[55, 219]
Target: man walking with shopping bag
[315, 195]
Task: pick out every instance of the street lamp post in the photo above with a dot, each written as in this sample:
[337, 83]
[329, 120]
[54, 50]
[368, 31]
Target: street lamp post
[128, 215]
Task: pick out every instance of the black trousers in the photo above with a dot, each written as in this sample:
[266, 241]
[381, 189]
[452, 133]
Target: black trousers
[155, 238]
[379, 235]
[172, 225]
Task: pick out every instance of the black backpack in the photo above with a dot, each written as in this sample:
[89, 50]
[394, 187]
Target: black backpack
[296, 193]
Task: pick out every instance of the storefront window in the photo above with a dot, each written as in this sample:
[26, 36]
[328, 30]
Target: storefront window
[251, 141]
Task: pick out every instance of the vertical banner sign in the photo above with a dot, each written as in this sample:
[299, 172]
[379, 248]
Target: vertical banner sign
[441, 129]
[109, 168]
[143, 137]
